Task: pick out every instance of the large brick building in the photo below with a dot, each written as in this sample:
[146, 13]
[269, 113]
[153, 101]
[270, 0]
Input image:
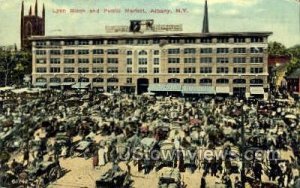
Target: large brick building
[188, 63]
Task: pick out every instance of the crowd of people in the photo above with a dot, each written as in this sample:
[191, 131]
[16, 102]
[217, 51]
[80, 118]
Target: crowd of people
[253, 136]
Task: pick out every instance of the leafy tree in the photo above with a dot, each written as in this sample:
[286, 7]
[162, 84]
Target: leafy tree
[294, 52]
[276, 48]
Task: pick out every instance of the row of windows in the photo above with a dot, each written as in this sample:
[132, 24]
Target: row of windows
[80, 70]
[191, 40]
[218, 50]
[82, 79]
[218, 60]
[80, 60]
[253, 70]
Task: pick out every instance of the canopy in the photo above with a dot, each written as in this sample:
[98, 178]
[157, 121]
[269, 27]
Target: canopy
[164, 87]
[257, 90]
[194, 89]
[6, 88]
[40, 84]
[222, 89]
[67, 83]
[81, 85]
[54, 84]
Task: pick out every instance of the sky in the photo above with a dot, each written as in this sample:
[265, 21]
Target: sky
[282, 17]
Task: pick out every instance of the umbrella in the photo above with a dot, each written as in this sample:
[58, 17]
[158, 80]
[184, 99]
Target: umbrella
[290, 116]
[149, 93]
[107, 94]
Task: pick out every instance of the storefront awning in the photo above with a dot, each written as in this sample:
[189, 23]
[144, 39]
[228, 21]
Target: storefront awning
[222, 89]
[164, 87]
[81, 85]
[67, 83]
[257, 90]
[190, 89]
[54, 84]
[40, 84]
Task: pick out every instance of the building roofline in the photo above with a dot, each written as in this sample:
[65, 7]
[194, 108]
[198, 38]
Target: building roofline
[145, 35]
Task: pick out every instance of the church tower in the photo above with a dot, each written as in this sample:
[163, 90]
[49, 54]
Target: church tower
[31, 24]
[205, 26]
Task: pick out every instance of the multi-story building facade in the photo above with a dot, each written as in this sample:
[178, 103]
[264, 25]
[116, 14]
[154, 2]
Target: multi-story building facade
[190, 63]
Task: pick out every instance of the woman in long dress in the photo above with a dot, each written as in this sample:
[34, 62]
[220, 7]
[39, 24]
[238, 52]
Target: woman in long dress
[101, 155]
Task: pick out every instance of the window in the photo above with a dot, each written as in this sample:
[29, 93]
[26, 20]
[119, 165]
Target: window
[112, 51]
[239, 50]
[113, 60]
[174, 51]
[83, 60]
[83, 79]
[156, 52]
[83, 42]
[239, 81]
[129, 61]
[129, 69]
[41, 61]
[255, 50]
[129, 52]
[189, 50]
[83, 69]
[83, 52]
[239, 70]
[222, 81]
[128, 80]
[205, 69]
[206, 50]
[173, 80]
[40, 52]
[156, 70]
[41, 69]
[98, 80]
[222, 40]
[40, 43]
[222, 69]
[55, 61]
[69, 42]
[112, 69]
[173, 41]
[256, 60]
[156, 41]
[97, 42]
[156, 80]
[112, 41]
[98, 69]
[143, 52]
[41, 80]
[239, 40]
[55, 52]
[222, 50]
[189, 70]
[67, 60]
[206, 81]
[190, 60]
[69, 52]
[142, 70]
[189, 81]
[239, 60]
[54, 69]
[190, 41]
[206, 40]
[173, 70]
[129, 41]
[142, 61]
[205, 60]
[69, 79]
[256, 70]
[222, 60]
[69, 70]
[55, 43]
[142, 41]
[98, 60]
[112, 80]
[257, 39]
[173, 60]
[98, 51]
[256, 81]
[156, 61]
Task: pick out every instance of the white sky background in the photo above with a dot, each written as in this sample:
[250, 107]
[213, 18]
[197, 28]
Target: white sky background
[279, 16]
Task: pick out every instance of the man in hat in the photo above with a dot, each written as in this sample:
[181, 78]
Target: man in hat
[203, 181]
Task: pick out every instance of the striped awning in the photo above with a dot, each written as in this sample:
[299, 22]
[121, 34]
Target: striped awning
[40, 84]
[257, 90]
[67, 83]
[81, 85]
[222, 89]
[54, 84]
[164, 87]
[191, 89]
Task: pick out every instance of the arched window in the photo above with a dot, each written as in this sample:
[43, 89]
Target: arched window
[28, 30]
[239, 81]
[41, 80]
[83, 79]
[98, 80]
[55, 80]
[69, 79]
[112, 80]
[205, 81]
[143, 52]
[189, 81]
[256, 81]
[222, 81]
[173, 80]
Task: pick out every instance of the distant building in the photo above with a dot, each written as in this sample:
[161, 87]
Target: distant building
[31, 24]
[293, 82]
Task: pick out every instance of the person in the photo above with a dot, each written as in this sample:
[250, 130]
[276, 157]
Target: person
[257, 169]
[214, 167]
[101, 155]
[95, 159]
[203, 181]
[26, 156]
[237, 183]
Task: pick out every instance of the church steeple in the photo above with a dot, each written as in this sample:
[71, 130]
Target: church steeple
[30, 11]
[36, 8]
[205, 26]
[43, 13]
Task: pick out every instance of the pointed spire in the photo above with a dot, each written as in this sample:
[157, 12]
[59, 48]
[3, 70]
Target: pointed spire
[43, 13]
[30, 12]
[205, 26]
[36, 8]
[22, 9]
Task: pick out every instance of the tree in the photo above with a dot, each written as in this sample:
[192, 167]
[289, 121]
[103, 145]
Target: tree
[277, 49]
[294, 52]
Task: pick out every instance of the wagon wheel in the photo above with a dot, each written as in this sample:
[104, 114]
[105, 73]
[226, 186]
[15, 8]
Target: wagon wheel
[54, 174]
